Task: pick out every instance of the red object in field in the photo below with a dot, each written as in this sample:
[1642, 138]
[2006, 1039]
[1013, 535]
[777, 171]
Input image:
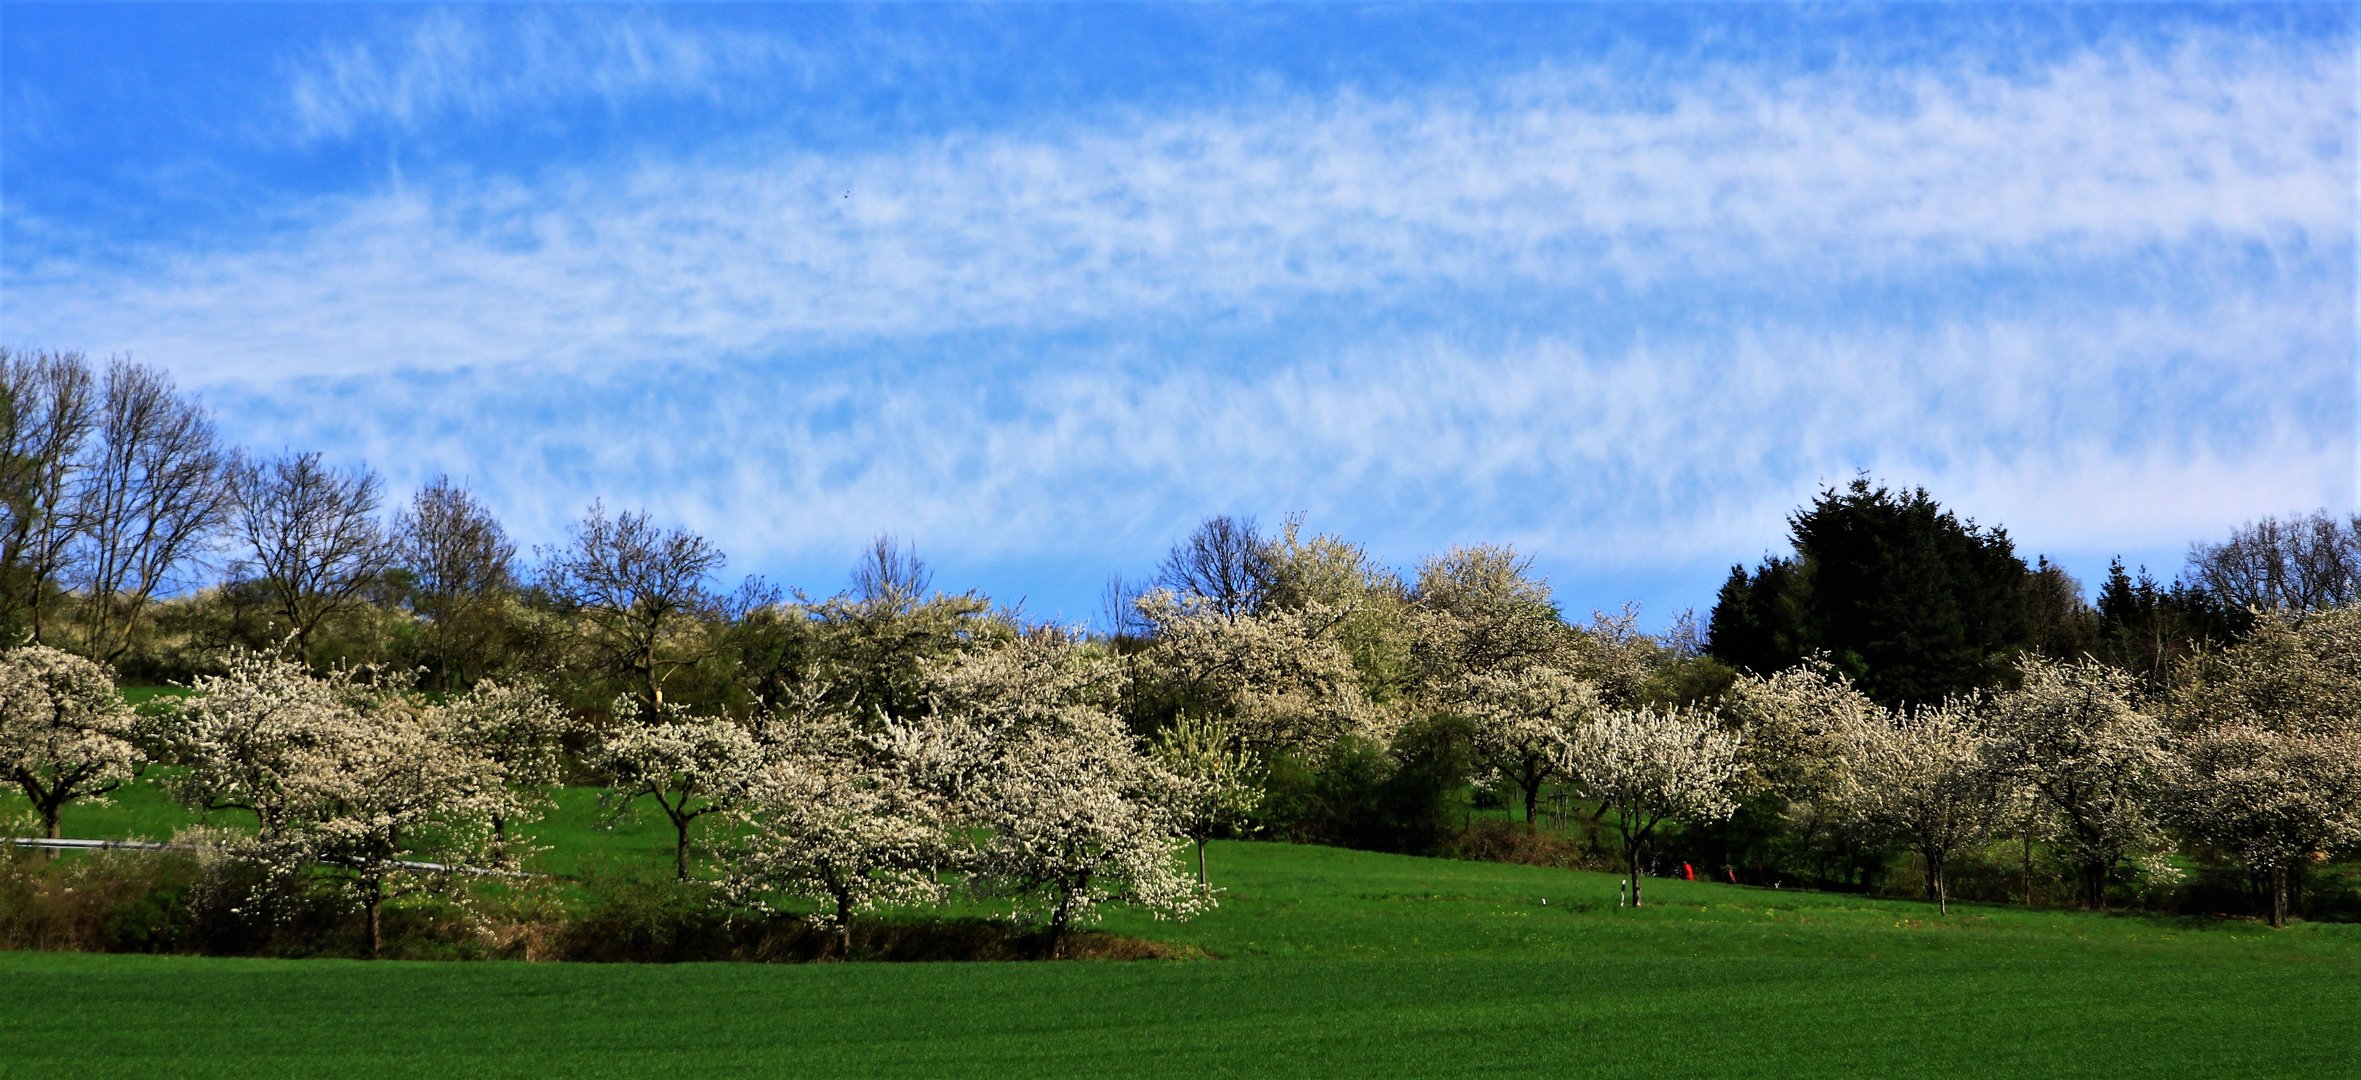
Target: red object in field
[1688, 871]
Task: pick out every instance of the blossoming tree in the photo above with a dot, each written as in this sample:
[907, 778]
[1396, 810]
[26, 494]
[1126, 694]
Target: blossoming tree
[65, 733]
[1650, 766]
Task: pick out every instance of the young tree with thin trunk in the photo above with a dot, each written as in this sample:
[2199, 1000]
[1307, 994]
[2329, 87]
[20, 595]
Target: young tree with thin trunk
[153, 497]
[1223, 781]
[689, 765]
[1519, 722]
[638, 590]
[1650, 766]
[312, 537]
[65, 733]
[1920, 778]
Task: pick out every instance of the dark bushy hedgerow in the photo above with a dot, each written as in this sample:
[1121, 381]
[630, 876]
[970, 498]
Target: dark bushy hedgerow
[152, 902]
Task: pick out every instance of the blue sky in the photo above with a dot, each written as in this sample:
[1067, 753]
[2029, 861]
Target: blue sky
[1038, 287]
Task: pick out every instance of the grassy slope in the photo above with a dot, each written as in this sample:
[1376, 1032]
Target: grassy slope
[1476, 978]
[1339, 962]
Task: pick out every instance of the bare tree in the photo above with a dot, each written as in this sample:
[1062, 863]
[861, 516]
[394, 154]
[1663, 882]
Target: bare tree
[155, 492]
[460, 562]
[1224, 562]
[46, 415]
[890, 575]
[313, 536]
[2304, 562]
[636, 587]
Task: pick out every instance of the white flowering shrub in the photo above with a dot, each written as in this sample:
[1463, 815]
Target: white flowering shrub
[65, 733]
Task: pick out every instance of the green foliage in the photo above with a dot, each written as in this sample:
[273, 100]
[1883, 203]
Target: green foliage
[1912, 603]
[1359, 794]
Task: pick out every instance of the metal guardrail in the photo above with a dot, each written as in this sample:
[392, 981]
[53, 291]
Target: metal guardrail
[152, 845]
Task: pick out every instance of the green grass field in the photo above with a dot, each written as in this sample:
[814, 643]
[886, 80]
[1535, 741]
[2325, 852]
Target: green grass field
[1331, 963]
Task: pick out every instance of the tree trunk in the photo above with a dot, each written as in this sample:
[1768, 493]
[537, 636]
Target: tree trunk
[844, 924]
[680, 848]
[1202, 885]
[1631, 863]
[2279, 896]
[1532, 799]
[1057, 929]
[376, 919]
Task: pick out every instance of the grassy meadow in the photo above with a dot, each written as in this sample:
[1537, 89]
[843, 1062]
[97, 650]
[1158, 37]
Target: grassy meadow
[1326, 962]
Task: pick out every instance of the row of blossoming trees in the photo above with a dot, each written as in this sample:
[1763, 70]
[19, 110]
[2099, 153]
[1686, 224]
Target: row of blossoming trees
[1022, 780]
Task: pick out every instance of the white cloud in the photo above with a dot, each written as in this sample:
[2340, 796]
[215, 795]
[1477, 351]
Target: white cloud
[444, 66]
[2111, 299]
[1803, 184]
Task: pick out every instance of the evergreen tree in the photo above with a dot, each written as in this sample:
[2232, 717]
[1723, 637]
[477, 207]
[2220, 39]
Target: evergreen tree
[1911, 602]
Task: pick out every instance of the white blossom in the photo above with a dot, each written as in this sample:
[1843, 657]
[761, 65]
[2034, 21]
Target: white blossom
[1652, 765]
[833, 823]
[65, 733]
[2096, 766]
[688, 765]
[1519, 721]
[1920, 778]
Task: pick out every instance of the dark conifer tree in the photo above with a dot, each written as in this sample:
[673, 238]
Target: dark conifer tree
[1910, 601]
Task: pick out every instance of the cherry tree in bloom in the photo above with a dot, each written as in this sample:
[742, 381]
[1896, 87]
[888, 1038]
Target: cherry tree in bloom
[2271, 747]
[2095, 765]
[1277, 677]
[1064, 811]
[1651, 766]
[836, 820]
[404, 787]
[383, 792]
[1798, 730]
[1920, 779]
[1223, 781]
[516, 726]
[2276, 799]
[248, 734]
[688, 765]
[1520, 720]
[65, 733]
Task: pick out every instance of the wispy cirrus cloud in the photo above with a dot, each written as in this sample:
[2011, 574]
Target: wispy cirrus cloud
[1800, 184]
[446, 67]
[2106, 298]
